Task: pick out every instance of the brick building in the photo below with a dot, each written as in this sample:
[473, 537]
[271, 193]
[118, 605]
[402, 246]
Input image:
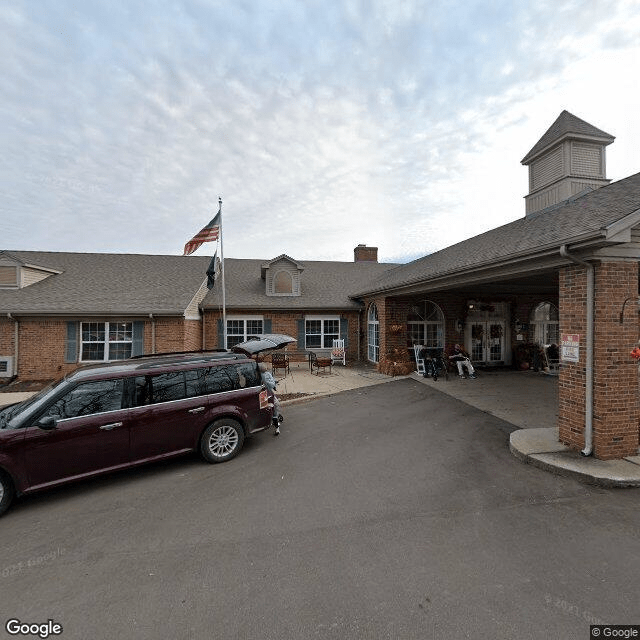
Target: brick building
[567, 268]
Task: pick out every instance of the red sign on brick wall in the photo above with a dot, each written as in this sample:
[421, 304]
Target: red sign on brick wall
[570, 347]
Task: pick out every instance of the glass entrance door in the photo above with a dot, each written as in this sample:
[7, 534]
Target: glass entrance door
[487, 340]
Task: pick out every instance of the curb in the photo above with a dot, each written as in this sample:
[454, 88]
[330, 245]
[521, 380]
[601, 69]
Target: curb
[548, 461]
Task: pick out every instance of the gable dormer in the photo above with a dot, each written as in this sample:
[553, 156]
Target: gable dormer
[282, 276]
[16, 274]
[568, 160]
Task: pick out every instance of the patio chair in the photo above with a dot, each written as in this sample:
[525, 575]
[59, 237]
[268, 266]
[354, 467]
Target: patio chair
[552, 357]
[338, 352]
[417, 348]
[280, 361]
[319, 363]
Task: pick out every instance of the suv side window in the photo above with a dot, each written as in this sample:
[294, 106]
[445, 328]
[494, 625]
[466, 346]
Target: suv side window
[249, 375]
[209, 380]
[88, 398]
[160, 388]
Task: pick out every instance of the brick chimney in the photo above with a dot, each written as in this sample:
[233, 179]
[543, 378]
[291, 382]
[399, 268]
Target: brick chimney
[362, 253]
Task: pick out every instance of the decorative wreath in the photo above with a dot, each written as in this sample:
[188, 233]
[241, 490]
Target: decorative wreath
[477, 332]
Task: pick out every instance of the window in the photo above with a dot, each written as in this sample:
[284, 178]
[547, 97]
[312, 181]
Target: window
[87, 399]
[241, 329]
[544, 324]
[104, 341]
[212, 380]
[373, 333]
[321, 332]
[283, 283]
[425, 325]
[161, 388]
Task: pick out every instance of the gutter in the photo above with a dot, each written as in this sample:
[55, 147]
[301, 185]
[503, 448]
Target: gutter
[591, 239]
[588, 398]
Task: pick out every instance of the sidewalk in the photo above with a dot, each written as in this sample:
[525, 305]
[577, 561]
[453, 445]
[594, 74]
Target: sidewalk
[301, 384]
[530, 401]
[297, 386]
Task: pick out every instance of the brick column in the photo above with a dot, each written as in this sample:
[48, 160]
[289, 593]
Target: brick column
[394, 357]
[615, 390]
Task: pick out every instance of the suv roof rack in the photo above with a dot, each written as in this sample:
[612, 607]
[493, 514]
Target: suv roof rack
[178, 353]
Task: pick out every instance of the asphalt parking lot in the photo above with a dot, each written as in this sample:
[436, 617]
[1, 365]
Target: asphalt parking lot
[390, 511]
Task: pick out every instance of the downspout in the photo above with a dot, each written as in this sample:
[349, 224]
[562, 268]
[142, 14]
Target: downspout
[204, 337]
[359, 326]
[15, 344]
[153, 333]
[588, 396]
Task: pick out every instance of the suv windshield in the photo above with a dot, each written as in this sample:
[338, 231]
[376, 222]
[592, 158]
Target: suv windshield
[7, 414]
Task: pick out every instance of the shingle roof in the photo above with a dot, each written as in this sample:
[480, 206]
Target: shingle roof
[102, 283]
[323, 284]
[563, 224]
[565, 125]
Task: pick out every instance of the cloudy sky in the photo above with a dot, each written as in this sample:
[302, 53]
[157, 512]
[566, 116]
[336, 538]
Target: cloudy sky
[322, 124]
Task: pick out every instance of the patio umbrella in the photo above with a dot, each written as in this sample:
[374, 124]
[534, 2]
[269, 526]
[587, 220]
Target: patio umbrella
[263, 342]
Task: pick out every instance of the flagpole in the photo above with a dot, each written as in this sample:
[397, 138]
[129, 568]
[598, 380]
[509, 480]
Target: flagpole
[224, 307]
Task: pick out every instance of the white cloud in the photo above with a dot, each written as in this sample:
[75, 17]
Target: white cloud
[322, 126]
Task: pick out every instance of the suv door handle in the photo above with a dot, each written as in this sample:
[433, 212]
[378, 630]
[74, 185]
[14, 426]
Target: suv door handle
[198, 410]
[113, 425]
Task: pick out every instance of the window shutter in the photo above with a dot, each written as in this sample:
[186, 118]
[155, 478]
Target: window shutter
[220, 334]
[301, 335]
[137, 346]
[266, 326]
[344, 331]
[71, 343]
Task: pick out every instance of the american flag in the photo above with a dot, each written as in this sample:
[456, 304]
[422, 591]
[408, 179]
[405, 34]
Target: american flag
[209, 233]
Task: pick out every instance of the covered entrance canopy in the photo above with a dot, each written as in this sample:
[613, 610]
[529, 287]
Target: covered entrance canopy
[581, 256]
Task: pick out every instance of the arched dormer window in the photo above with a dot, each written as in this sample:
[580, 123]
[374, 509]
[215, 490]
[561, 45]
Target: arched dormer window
[282, 282]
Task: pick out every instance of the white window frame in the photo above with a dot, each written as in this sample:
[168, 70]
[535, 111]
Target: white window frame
[545, 329]
[427, 332]
[106, 342]
[373, 334]
[324, 335]
[245, 335]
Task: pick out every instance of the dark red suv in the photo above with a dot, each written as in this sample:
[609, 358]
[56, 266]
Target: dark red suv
[107, 417]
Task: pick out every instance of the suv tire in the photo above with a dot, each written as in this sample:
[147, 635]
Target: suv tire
[6, 492]
[222, 440]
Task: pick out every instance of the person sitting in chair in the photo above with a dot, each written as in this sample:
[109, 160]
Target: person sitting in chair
[461, 358]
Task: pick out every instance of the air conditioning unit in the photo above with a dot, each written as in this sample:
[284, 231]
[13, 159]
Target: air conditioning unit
[6, 366]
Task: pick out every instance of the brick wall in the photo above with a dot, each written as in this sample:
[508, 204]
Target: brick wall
[615, 421]
[615, 391]
[174, 334]
[572, 378]
[6, 337]
[287, 322]
[41, 342]
[41, 345]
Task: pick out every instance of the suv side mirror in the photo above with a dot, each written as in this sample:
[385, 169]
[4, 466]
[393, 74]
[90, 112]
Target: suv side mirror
[47, 423]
